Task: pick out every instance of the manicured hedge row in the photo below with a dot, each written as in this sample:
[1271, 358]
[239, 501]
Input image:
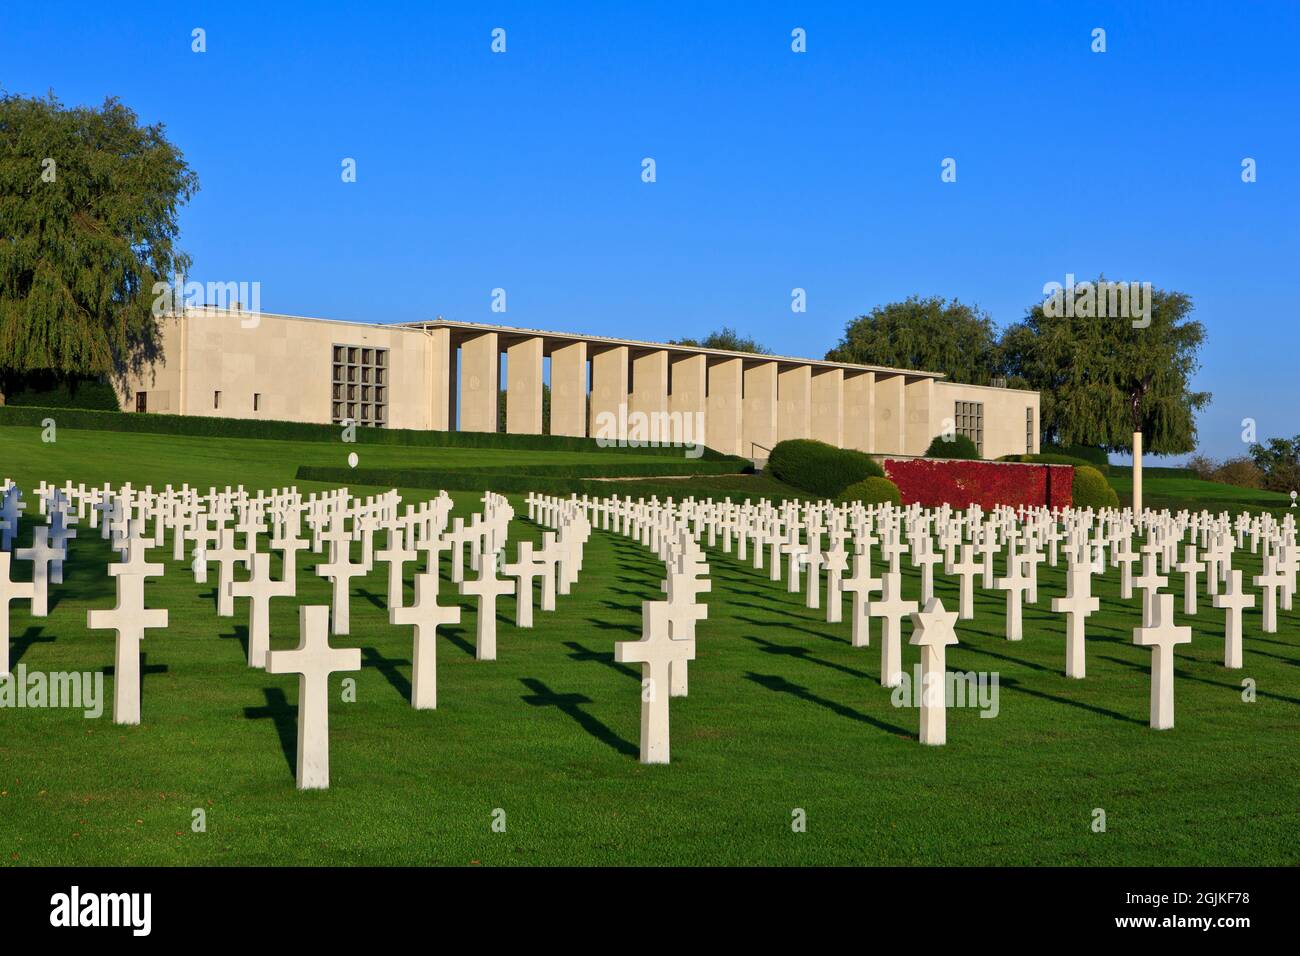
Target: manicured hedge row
[986, 483]
[1091, 490]
[1096, 457]
[955, 446]
[476, 480]
[204, 426]
[819, 468]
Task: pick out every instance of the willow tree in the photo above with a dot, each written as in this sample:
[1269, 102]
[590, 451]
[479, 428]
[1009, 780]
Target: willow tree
[88, 224]
[1104, 377]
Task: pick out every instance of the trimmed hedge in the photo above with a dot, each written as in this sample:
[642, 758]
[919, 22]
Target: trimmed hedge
[958, 446]
[1054, 458]
[819, 468]
[87, 394]
[873, 491]
[212, 427]
[1088, 454]
[490, 476]
[514, 482]
[1091, 490]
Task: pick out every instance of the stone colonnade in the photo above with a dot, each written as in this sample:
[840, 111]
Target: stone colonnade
[733, 403]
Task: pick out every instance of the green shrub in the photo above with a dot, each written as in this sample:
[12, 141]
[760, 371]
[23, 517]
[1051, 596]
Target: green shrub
[84, 393]
[1088, 454]
[819, 468]
[1091, 490]
[872, 491]
[956, 446]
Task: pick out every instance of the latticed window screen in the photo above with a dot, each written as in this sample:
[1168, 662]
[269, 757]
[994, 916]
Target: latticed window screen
[1029, 431]
[360, 385]
[970, 422]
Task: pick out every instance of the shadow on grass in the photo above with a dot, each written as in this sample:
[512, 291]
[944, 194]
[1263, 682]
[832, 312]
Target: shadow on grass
[571, 706]
[803, 654]
[581, 653]
[277, 709]
[19, 645]
[780, 685]
[370, 657]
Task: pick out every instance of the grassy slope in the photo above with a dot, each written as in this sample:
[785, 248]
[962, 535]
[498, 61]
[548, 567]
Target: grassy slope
[783, 713]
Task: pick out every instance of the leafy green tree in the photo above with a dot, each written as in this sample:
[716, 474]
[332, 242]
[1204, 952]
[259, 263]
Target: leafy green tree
[1279, 461]
[1102, 379]
[726, 339]
[88, 224]
[930, 334]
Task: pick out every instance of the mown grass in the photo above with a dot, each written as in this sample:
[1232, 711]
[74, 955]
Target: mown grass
[782, 714]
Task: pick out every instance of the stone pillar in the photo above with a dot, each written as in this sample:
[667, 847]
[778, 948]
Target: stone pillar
[1137, 474]
[686, 399]
[569, 390]
[480, 361]
[442, 379]
[921, 415]
[794, 403]
[890, 402]
[648, 401]
[524, 387]
[860, 411]
[758, 419]
[609, 392]
[723, 431]
[828, 406]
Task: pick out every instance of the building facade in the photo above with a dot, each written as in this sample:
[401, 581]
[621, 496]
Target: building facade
[445, 375]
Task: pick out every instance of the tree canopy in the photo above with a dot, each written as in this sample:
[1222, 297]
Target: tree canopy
[1102, 379]
[931, 334]
[88, 224]
[725, 338]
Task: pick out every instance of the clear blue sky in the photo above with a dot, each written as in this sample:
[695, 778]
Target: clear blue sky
[775, 170]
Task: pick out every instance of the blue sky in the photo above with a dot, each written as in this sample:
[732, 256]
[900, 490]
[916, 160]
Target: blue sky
[775, 170]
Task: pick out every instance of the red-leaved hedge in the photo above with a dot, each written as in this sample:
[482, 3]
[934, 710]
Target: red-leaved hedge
[932, 482]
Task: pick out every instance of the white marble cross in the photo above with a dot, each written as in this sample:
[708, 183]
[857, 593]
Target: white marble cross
[425, 614]
[932, 631]
[313, 660]
[259, 589]
[966, 568]
[1015, 584]
[396, 555]
[891, 609]
[340, 570]
[861, 585]
[1077, 604]
[655, 652]
[41, 554]
[129, 618]
[488, 587]
[1161, 635]
[1270, 580]
[1150, 584]
[226, 555]
[1189, 568]
[1234, 600]
[9, 591]
[525, 568]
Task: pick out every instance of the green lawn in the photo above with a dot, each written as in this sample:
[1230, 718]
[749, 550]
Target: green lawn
[782, 714]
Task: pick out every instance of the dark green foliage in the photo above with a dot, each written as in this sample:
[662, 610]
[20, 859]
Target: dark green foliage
[305, 431]
[1101, 379]
[89, 203]
[957, 446]
[1091, 490]
[1279, 460]
[819, 468]
[872, 491]
[48, 391]
[725, 339]
[929, 334]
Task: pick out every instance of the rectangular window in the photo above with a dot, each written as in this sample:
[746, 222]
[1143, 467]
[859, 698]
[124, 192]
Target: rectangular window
[142, 401]
[216, 400]
[257, 401]
[1029, 431]
[969, 420]
[355, 376]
